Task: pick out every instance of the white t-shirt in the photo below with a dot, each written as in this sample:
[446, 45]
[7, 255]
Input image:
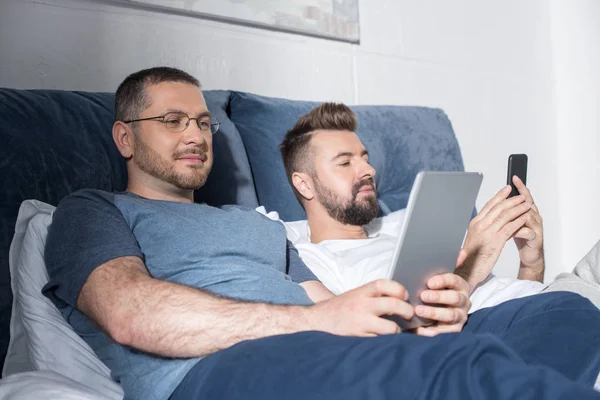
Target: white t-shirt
[342, 265]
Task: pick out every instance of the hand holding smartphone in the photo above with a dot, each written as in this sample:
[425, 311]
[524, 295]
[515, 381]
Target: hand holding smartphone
[517, 165]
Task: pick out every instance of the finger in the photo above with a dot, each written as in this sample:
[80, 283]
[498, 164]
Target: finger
[427, 331]
[448, 328]
[512, 227]
[431, 331]
[366, 334]
[535, 219]
[392, 306]
[447, 281]
[448, 315]
[533, 224]
[452, 298]
[535, 212]
[525, 233]
[498, 198]
[384, 287]
[508, 215]
[522, 188]
[500, 209]
[381, 326]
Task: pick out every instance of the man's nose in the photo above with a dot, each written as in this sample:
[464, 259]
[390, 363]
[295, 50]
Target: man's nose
[367, 170]
[193, 134]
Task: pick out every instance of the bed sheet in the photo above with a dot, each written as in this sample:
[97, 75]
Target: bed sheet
[46, 385]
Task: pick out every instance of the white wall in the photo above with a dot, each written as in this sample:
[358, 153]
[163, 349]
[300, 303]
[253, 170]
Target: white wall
[489, 65]
[576, 39]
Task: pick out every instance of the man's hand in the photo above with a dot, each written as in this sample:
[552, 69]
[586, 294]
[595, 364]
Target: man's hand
[496, 223]
[530, 239]
[451, 292]
[359, 312]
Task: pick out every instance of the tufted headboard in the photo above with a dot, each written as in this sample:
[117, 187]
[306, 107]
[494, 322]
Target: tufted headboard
[53, 143]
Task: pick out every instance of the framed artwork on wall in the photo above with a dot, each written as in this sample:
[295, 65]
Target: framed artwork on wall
[330, 19]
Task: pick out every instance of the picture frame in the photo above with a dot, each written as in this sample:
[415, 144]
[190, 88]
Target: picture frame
[328, 19]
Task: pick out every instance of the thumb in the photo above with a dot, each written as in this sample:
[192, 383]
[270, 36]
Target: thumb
[462, 256]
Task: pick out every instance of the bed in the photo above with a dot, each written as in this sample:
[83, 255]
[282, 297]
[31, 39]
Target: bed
[59, 142]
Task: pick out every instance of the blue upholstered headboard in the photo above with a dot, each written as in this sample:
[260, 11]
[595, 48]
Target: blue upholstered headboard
[55, 142]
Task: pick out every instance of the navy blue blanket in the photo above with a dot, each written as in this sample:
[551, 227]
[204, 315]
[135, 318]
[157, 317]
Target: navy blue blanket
[541, 347]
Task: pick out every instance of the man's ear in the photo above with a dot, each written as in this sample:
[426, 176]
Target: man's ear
[304, 185]
[123, 137]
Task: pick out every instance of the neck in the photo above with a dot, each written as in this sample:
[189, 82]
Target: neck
[323, 227]
[154, 189]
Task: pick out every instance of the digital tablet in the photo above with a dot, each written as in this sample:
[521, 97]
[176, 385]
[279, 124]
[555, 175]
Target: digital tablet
[437, 216]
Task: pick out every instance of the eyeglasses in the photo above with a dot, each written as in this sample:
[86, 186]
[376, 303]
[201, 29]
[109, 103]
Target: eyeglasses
[177, 122]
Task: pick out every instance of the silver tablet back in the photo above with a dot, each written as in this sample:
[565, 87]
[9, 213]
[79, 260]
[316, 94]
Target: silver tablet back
[439, 209]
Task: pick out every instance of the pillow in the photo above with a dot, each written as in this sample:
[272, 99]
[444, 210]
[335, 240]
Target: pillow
[230, 162]
[41, 339]
[401, 140]
[297, 231]
[45, 384]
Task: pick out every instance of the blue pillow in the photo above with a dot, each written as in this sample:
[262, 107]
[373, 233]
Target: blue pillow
[230, 180]
[54, 142]
[402, 140]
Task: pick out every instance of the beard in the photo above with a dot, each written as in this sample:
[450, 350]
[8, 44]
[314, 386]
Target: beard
[349, 212]
[152, 163]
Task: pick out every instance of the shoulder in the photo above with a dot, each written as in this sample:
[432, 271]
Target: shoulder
[86, 204]
[83, 196]
[235, 207]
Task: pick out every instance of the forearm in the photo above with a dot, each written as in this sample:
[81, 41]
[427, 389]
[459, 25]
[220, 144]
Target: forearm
[174, 320]
[471, 276]
[177, 321]
[532, 272]
[474, 270]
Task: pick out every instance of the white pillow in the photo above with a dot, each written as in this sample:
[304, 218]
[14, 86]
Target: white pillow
[45, 385]
[298, 230]
[294, 230]
[41, 339]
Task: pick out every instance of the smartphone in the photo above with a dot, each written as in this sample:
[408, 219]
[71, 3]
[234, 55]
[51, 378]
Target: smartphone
[517, 165]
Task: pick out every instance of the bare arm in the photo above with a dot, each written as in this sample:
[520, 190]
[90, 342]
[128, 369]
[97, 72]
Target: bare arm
[174, 320]
[530, 240]
[532, 273]
[497, 222]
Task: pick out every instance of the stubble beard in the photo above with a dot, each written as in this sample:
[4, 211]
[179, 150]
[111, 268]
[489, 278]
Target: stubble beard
[152, 163]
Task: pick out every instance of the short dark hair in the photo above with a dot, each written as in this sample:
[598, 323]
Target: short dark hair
[295, 148]
[131, 98]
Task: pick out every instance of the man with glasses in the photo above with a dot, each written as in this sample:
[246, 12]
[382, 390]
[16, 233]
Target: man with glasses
[187, 301]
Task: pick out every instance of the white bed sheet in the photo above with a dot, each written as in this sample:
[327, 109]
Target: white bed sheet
[45, 385]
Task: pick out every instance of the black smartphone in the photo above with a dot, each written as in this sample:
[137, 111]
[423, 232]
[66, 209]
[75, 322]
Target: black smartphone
[517, 165]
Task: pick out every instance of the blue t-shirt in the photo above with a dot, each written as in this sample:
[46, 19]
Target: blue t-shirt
[230, 251]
